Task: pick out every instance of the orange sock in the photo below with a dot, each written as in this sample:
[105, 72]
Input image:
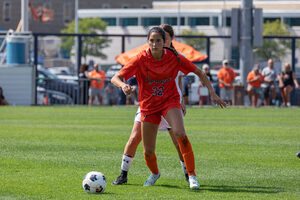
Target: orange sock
[187, 153]
[151, 163]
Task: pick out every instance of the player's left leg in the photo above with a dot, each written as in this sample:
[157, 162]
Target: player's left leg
[174, 118]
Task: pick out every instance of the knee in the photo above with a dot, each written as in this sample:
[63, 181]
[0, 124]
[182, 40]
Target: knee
[148, 152]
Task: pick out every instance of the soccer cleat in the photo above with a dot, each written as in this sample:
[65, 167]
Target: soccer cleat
[187, 177]
[152, 179]
[194, 184]
[120, 180]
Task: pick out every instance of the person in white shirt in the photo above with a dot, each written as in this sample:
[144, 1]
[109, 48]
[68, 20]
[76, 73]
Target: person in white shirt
[268, 85]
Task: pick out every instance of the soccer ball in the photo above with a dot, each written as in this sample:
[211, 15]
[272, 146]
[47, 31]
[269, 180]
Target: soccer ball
[94, 182]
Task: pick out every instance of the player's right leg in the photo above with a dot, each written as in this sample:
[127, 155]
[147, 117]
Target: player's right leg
[129, 152]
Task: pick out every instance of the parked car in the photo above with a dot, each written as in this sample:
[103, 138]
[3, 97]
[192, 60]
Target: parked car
[49, 81]
[52, 97]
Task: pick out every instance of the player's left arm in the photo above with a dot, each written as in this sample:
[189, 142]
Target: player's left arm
[214, 97]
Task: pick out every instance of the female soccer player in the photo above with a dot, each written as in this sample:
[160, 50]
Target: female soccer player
[136, 137]
[156, 69]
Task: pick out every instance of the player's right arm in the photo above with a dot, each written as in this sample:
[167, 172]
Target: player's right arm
[117, 81]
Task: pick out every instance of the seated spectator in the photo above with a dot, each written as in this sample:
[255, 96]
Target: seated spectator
[203, 91]
[287, 81]
[254, 81]
[3, 102]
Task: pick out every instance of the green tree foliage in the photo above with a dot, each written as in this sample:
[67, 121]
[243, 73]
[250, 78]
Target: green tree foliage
[90, 45]
[274, 48]
[197, 43]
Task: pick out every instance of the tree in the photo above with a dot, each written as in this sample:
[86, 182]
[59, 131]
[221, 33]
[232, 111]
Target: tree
[90, 45]
[197, 43]
[274, 48]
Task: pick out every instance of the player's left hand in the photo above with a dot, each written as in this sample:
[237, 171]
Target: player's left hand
[217, 100]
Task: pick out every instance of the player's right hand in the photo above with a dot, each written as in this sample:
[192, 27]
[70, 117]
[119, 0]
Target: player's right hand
[127, 89]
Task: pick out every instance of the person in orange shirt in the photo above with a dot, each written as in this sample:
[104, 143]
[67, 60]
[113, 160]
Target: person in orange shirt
[226, 78]
[97, 85]
[156, 69]
[254, 80]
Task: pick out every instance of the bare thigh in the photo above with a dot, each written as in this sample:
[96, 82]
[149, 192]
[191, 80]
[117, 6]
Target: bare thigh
[175, 120]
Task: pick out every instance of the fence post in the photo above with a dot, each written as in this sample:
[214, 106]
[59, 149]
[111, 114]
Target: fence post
[123, 43]
[293, 53]
[208, 49]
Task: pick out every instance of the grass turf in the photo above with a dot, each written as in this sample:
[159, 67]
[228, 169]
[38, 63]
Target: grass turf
[240, 153]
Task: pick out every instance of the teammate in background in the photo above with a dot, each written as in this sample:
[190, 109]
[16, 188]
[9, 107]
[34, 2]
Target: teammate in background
[203, 92]
[136, 135]
[254, 80]
[3, 102]
[287, 81]
[269, 84]
[226, 78]
[156, 69]
[97, 84]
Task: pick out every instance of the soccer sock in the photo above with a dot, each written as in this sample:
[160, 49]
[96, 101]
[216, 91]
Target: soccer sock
[152, 163]
[126, 162]
[187, 153]
[183, 167]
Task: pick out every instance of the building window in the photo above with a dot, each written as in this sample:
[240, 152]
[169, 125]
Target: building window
[215, 21]
[129, 21]
[292, 21]
[110, 21]
[173, 21]
[68, 12]
[198, 21]
[271, 19]
[151, 21]
[6, 11]
[228, 21]
[125, 6]
[106, 5]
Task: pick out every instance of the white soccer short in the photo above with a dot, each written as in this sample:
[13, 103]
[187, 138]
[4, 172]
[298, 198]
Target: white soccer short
[163, 125]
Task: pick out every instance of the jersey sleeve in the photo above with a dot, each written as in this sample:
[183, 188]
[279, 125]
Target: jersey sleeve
[130, 68]
[186, 66]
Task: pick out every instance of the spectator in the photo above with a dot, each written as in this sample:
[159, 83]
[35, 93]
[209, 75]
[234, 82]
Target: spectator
[84, 83]
[226, 78]
[269, 83]
[133, 97]
[203, 91]
[97, 85]
[254, 80]
[3, 102]
[186, 84]
[287, 81]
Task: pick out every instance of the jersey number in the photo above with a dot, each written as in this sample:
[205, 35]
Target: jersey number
[158, 91]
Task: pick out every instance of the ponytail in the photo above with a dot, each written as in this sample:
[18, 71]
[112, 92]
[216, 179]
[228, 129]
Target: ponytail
[174, 51]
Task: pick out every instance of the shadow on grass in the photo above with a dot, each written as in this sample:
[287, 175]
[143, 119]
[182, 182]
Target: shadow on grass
[246, 189]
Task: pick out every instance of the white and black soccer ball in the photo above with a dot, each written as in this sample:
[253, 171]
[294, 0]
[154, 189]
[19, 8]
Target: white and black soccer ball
[94, 182]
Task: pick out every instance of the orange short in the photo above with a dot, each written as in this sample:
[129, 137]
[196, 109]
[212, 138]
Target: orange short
[156, 117]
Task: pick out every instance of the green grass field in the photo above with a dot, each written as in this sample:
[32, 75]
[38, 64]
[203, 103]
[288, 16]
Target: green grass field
[241, 153]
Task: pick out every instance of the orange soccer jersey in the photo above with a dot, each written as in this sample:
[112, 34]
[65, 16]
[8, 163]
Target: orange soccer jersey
[156, 79]
[226, 75]
[252, 76]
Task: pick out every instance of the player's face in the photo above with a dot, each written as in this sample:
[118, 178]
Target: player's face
[156, 42]
[168, 40]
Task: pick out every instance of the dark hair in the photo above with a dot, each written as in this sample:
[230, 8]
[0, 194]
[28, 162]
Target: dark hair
[169, 29]
[83, 68]
[158, 30]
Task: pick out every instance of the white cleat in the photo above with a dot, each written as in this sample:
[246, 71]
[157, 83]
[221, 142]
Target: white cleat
[152, 179]
[194, 184]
